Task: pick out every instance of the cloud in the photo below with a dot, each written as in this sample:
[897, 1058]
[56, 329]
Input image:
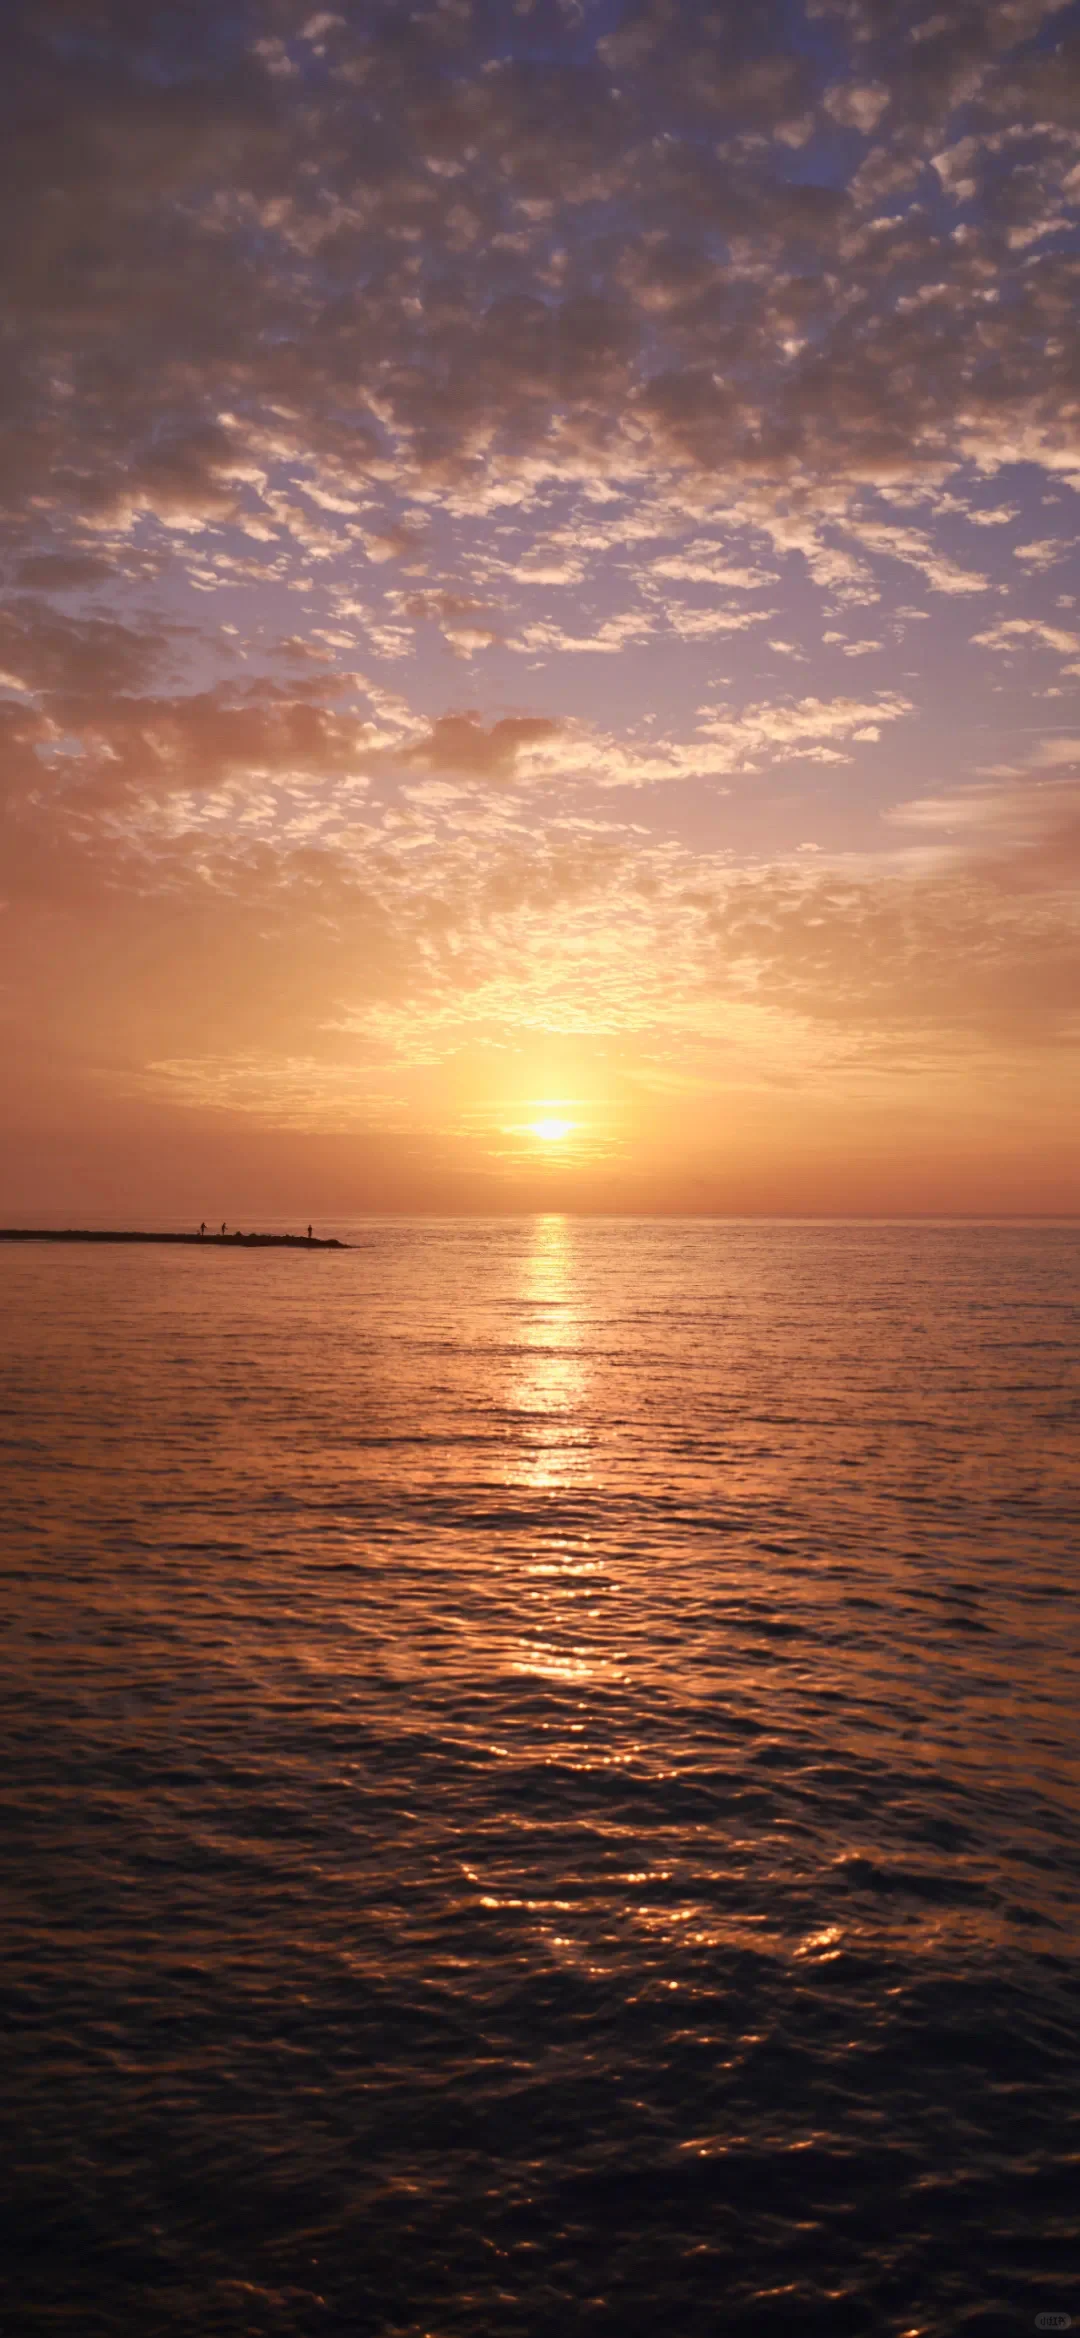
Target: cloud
[460, 743]
[704, 563]
[1053, 752]
[726, 742]
[1045, 554]
[697, 624]
[378, 260]
[1010, 632]
[46, 650]
[805, 725]
[607, 639]
[1022, 834]
[953, 168]
[917, 550]
[466, 624]
[946, 959]
[858, 105]
[98, 751]
[60, 572]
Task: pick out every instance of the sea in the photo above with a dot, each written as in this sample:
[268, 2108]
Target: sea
[540, 1783]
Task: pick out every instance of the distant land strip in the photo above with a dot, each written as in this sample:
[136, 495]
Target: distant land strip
[196, 1241]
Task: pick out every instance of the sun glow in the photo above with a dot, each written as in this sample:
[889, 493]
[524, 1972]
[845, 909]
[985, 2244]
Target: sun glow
[550, 1132]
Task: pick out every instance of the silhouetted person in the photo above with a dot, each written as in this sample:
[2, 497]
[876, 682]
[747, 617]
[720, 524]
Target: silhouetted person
[202, 1229]
[309, 1233]
[223, 1225]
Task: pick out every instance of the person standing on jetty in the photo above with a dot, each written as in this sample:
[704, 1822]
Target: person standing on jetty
[309, 1233]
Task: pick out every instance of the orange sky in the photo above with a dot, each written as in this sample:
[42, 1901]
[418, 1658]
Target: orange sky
[541, 588]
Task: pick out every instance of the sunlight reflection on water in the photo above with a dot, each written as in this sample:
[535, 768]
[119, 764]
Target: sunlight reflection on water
[550, 1378]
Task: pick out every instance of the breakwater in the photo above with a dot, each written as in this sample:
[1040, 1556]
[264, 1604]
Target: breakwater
[197, 1241]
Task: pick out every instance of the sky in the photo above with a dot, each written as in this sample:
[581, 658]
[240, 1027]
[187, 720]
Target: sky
[540, 644]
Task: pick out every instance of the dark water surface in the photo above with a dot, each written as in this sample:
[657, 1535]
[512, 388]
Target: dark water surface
[541, 1783]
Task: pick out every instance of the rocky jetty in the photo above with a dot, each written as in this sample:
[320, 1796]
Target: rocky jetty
[194, 1241]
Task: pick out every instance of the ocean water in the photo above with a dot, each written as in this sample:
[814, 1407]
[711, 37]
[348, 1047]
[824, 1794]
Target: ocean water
[540, 1783]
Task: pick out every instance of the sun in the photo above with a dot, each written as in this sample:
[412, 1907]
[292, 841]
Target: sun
[550, 1132]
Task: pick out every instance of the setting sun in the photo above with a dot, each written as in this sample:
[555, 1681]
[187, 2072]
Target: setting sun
[551, 1131]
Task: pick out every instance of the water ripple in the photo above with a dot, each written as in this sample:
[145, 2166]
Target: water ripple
[541, 1784]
